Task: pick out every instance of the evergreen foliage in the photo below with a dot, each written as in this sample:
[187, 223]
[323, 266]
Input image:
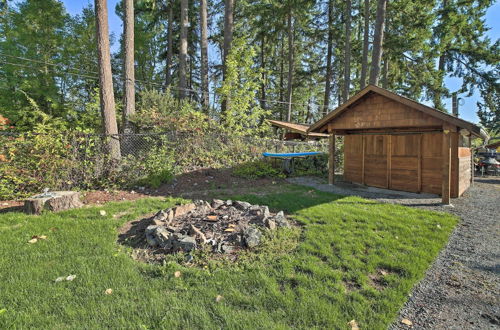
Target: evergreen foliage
[49, 56]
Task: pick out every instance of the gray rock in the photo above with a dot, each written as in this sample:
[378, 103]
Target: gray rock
[216, 203]
[151, 229]
[183, 209]
[160, 216]
[170, 214]
[242, 205]
[252, 236]
[226, 248]
[150, 236]
[162, 236]
[255, 210]
[270, 224]
[265, 211]
[186, 244]
[281, 220]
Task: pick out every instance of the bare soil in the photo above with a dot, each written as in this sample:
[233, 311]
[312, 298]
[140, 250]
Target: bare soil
[196, 184]
[210, 179]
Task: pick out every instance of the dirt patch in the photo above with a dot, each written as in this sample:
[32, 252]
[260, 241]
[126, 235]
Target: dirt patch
[195, 184]
[210, 179]
[11, 206]
[104, 196]
[376, 280]
[351, 285]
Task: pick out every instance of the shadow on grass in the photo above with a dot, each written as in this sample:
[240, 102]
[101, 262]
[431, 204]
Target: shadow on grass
[11, 209]
[294, 199]
[132, 233]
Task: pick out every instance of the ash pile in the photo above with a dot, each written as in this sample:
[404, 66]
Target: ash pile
[222, 226]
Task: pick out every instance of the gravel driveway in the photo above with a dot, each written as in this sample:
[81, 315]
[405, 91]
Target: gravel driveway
[461, 290]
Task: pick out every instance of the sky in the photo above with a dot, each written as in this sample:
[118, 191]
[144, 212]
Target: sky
[467, 110]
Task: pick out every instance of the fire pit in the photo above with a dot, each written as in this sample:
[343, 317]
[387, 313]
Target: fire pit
[219, 226]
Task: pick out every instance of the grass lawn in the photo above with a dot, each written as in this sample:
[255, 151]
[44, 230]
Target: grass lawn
[353, 259]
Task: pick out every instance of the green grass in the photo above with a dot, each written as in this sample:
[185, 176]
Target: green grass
[314, 278]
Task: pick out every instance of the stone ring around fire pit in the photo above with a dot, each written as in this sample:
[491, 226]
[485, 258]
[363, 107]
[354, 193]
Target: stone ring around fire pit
[223, 226]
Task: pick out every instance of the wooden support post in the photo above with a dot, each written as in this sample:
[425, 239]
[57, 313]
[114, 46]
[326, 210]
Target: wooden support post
[446, 160]
[419, 164]
[363, 159]
[472, 167]
[389, 163]
[331, 159]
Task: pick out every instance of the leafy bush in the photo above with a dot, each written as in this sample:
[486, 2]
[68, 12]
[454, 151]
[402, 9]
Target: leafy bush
[312, 165]
[257, 169]
[154, 168]
[34, 161]
[52, 156]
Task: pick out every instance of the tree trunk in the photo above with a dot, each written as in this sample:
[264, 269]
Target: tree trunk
[385, 80]
[290, 64]
[282, 77]
[366, 43]
[263, 66]
[329, 54]
[378, 42]
[107, 98]
[183, 49]
[437, 98]
[128, 64]
[204, 54]
[170, 46]
[228, 39]
[347, 52]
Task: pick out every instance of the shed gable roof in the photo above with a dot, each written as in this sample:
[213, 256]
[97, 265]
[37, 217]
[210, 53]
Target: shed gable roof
[444, 117]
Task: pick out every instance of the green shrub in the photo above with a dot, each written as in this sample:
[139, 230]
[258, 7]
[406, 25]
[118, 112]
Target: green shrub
[312, 165]
[257, 169]
[155, 180]
[34, 161]
[154, 168]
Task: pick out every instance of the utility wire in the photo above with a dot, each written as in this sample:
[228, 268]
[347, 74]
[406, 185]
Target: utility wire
[197, 92]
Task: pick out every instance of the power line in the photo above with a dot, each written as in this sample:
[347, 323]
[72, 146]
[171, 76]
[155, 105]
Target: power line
[197, 92]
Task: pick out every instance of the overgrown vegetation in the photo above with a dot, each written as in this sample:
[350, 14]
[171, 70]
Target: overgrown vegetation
[258, 169]
[53, 156]
[314, 165]
[355, 259]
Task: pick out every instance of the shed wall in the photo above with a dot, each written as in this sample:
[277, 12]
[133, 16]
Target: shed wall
[464, 170]
[408, 162]
[377, 111]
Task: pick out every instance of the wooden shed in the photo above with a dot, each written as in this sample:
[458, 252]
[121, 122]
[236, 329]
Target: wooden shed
[396, 143]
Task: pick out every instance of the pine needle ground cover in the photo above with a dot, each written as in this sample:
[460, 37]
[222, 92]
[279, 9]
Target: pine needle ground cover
[349, 259]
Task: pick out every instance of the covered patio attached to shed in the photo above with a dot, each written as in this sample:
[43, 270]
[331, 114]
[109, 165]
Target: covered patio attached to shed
[396, 143]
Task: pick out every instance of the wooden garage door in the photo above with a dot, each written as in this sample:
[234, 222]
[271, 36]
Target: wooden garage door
[405, 159]
[410, 162]
[353, 158]
[376, 160]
